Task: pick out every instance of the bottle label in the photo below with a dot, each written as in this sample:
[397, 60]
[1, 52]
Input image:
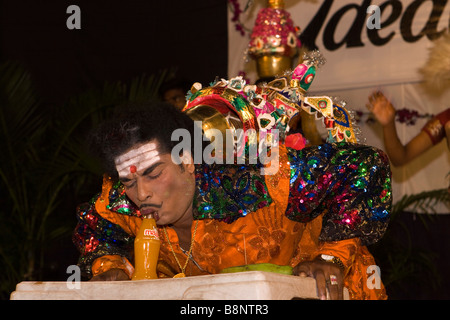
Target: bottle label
[153, 233]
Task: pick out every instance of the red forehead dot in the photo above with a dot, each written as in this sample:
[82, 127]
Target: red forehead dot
[133, 169]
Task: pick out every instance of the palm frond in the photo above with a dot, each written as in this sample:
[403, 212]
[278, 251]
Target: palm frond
[424, 202]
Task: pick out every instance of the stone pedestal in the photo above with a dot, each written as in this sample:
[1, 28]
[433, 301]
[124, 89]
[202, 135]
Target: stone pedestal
[254, 285]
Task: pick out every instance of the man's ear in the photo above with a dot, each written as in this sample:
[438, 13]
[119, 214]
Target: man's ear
[187, 161]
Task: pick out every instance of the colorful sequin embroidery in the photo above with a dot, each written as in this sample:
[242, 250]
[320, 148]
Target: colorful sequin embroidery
[350, 182]
[95, 237]
[228, 192]
[119, 202]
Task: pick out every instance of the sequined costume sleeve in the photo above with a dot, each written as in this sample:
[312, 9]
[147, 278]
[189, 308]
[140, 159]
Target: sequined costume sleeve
[96, 237]
[349, 182]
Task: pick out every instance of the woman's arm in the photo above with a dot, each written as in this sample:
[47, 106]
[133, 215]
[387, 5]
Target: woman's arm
[398, 153]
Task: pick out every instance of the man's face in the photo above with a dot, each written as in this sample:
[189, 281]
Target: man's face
[156, 184]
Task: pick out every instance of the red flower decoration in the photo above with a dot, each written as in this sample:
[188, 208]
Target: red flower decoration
[295, 141]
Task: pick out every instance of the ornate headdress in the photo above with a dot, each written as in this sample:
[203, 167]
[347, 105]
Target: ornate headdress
[234, 104]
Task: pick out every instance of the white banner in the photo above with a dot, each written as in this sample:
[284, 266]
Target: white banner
[385, 46]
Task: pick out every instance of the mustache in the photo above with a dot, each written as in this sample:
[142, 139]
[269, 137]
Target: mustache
[150, 205]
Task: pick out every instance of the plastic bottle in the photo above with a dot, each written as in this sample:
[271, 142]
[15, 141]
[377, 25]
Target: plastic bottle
[146, 250]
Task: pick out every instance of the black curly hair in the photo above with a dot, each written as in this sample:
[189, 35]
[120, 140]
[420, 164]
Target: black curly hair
[136, 123]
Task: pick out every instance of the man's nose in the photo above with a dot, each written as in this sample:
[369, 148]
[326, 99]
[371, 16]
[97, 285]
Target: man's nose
[144, 191]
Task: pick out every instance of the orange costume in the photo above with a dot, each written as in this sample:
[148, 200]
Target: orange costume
[331, 199]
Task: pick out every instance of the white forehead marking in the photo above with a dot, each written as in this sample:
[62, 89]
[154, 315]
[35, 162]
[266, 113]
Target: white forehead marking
[141, 158]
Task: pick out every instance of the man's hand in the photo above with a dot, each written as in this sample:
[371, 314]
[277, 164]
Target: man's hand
[111, 275]
[326, 275]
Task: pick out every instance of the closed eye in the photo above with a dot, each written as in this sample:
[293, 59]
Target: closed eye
[129, 183]
[155, 175]
[150, 170]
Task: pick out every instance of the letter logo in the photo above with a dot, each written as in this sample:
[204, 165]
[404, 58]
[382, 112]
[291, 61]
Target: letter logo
[73, 281]
[374, 280]
[74, 20]
[373, 22]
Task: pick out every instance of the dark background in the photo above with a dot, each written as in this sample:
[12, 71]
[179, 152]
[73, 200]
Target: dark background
[118, 40]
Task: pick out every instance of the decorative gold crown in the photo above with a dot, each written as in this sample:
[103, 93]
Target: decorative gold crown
[274, 40]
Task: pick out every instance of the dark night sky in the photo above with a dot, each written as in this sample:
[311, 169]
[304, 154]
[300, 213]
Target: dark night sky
[118, 40]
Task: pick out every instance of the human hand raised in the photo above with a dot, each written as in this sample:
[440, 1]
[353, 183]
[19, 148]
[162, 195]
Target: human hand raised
[381, 107]
[327, 275]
